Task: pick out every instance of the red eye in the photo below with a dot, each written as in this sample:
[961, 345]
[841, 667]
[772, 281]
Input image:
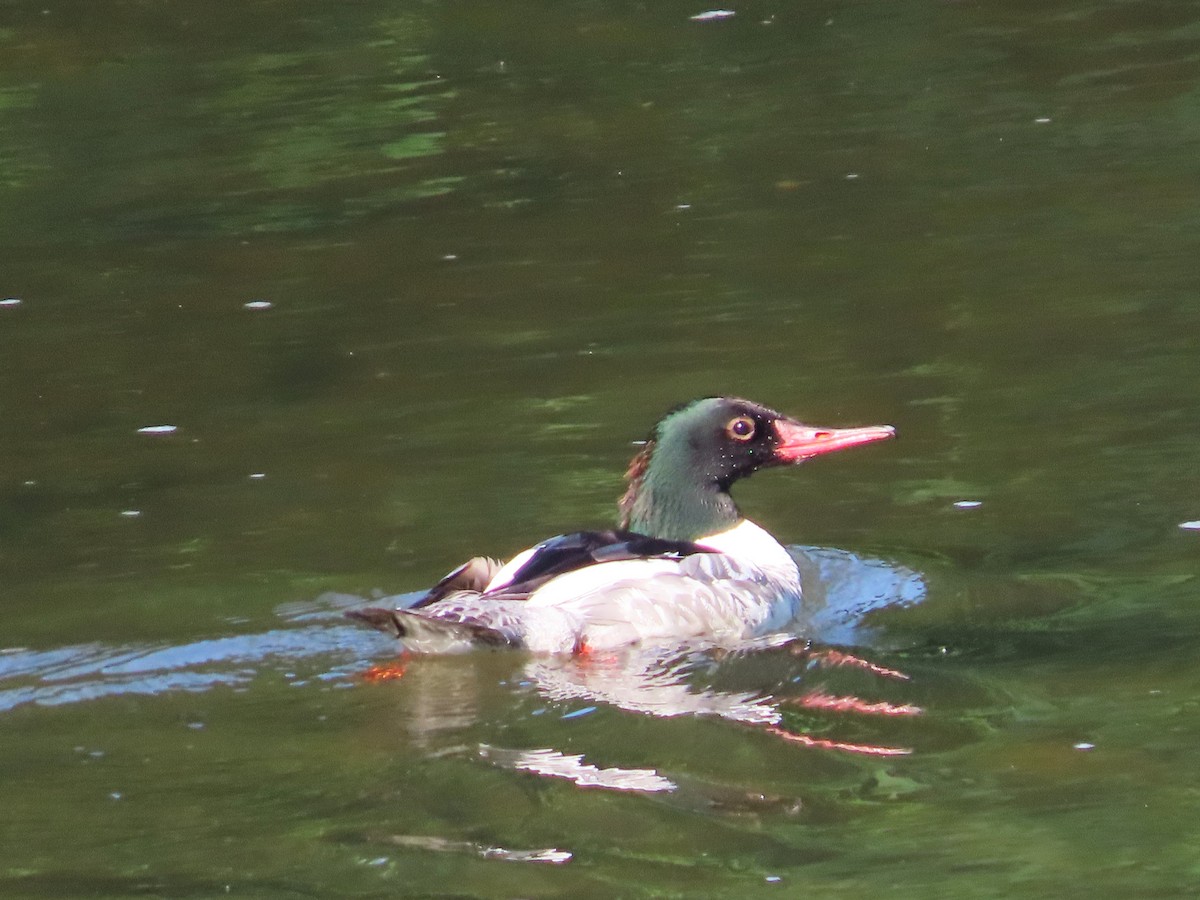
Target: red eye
[741, 428]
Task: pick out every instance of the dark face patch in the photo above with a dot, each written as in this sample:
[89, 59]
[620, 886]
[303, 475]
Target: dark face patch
[729, 438]
[679, 482]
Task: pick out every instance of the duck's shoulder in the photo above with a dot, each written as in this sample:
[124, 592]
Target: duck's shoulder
[578, 550]
[750, 543]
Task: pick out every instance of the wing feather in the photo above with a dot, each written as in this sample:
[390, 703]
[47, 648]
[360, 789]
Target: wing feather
[579, 550]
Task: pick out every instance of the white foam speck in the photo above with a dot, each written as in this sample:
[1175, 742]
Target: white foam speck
[968, 504]
[1043, 120]
[1085, 745]
[1193, 525]
[131, 513]
[258, 475]
[257, 304]
[713, 14]
[157, 429]
[10, 301]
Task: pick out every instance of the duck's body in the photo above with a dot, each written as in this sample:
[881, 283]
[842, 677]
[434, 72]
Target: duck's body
[686, 565]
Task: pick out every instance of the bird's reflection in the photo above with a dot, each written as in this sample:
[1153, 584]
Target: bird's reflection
[572, 767]
[442, 697]
[653, 681]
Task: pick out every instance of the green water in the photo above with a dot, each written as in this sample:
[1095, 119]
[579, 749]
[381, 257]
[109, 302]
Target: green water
[498, 240]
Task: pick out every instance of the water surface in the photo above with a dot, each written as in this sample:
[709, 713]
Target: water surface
[408, 280]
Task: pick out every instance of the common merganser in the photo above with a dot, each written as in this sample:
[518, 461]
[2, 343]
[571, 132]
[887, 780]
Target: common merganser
[684, 564]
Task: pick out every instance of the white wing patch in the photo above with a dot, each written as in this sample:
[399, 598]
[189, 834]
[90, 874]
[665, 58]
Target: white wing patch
[509, 569]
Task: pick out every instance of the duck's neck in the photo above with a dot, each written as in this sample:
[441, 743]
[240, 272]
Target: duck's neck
[666, 500]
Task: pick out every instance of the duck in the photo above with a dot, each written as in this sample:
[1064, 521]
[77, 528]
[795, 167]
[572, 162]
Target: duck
[683, 564]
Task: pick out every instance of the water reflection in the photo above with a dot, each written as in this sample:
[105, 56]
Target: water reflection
[777, 685]
[442, 845]
[655, 682]
[572, 767]
[788, 690]
[842, 589]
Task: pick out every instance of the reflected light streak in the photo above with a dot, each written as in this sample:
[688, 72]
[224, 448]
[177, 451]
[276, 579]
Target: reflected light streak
[443, 845]
[837, 658]
[822, 700]
[823, 744]
[572, 767]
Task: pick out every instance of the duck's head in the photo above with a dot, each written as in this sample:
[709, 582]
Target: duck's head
[679, 482]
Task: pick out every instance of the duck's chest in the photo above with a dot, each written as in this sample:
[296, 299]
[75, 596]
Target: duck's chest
[748, 543]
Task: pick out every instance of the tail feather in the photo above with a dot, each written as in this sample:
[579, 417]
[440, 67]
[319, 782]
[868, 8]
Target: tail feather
[384, 620]
[473, 575]
[426, 634]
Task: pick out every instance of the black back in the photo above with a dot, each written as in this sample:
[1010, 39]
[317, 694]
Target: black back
[569, 552]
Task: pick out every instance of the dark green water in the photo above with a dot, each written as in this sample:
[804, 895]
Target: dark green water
[498, 239]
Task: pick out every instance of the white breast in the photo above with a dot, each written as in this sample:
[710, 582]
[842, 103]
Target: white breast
[749, 543]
